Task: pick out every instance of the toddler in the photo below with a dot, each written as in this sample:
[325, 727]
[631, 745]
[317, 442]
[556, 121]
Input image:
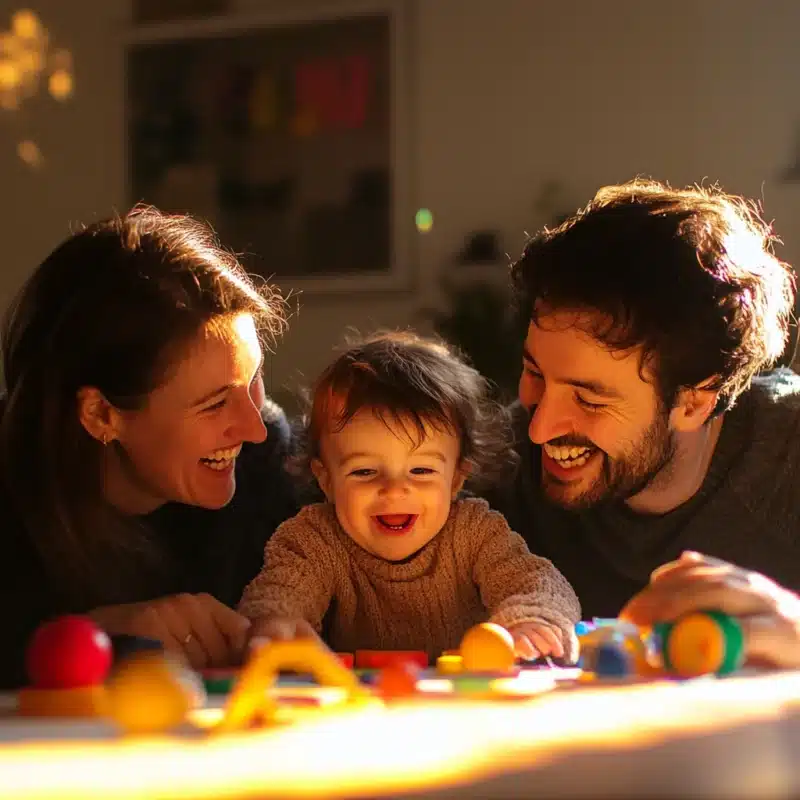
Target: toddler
[395, 560]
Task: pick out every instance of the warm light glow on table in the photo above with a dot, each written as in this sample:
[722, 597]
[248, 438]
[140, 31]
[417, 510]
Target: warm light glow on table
[411, 746]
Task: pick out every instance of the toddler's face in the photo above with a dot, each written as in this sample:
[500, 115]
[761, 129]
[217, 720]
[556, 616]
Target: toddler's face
[392, 491]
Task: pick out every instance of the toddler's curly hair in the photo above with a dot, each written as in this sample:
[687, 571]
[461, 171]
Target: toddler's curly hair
[413, 381]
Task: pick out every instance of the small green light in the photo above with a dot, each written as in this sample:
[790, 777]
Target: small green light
[423, 220]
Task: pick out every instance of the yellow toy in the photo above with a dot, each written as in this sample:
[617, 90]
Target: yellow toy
[249, 699]
[488, 648]
[148, 694]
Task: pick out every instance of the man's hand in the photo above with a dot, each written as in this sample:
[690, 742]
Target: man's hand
[768, 613]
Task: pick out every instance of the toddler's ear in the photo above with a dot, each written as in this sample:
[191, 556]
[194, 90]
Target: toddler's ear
[323, 477]
[459, 477]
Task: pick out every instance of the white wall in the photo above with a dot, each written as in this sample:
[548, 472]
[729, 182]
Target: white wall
[508, 94]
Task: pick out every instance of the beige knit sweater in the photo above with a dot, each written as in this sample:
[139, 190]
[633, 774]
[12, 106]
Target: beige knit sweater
[476, 569]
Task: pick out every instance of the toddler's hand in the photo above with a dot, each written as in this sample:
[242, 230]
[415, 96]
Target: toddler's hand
[536, 638]
[271, 629]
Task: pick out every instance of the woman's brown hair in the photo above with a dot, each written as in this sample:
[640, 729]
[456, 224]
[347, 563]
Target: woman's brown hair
[113, 307]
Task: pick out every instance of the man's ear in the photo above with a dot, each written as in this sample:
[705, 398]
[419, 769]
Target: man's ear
[693, 407]
[323, 478]
[100, 418]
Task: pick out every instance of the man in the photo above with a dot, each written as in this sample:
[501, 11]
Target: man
[643, 429]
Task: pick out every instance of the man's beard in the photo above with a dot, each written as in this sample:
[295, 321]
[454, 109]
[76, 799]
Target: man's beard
[620, 478]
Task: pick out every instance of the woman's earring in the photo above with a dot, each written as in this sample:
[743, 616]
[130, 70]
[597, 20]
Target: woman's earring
[105, 439]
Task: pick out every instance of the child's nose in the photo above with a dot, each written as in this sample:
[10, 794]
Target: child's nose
[395, 486]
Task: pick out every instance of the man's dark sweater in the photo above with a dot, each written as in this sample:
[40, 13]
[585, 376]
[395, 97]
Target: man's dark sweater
[746, 512]
[217, 552]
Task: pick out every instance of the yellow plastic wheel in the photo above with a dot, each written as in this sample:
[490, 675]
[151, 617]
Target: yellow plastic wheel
[696, 646]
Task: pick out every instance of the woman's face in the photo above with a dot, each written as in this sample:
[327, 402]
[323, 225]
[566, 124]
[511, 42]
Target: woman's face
[182, 445]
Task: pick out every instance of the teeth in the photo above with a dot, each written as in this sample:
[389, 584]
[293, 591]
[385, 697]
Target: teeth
[224, 455]
[578, 462]
[221, 459]
[218, 466]
[560, 453]
[396, 522]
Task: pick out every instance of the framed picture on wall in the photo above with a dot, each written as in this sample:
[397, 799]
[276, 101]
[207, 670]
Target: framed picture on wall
[288, 131]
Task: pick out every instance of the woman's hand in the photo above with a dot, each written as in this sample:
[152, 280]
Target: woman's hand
[768, 613]
[196, 627]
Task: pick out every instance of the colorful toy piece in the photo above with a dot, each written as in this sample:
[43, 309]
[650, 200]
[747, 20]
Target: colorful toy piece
[488, 647]
[219, 681]
[612, 660]
[69, 652]
[613, 648]
[149, 693]
[348, 659]
[398, 680]
[380, 659]
[125, 645]
[702, 643]
[79, 702]
[474, 684]
[67, 660]
[449, 664]
[249, 699]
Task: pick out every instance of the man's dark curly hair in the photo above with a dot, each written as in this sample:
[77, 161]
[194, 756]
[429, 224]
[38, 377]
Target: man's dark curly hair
[412, 381]
[690, 275]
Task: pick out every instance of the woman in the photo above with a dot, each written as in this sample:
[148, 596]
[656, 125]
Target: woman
[134, 408]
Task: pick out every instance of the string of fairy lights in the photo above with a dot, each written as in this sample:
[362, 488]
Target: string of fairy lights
[29, 62]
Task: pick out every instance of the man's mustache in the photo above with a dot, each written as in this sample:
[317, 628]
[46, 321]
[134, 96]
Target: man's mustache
[566, 441]
[571, 441]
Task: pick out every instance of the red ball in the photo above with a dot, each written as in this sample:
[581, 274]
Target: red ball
[68, 653]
